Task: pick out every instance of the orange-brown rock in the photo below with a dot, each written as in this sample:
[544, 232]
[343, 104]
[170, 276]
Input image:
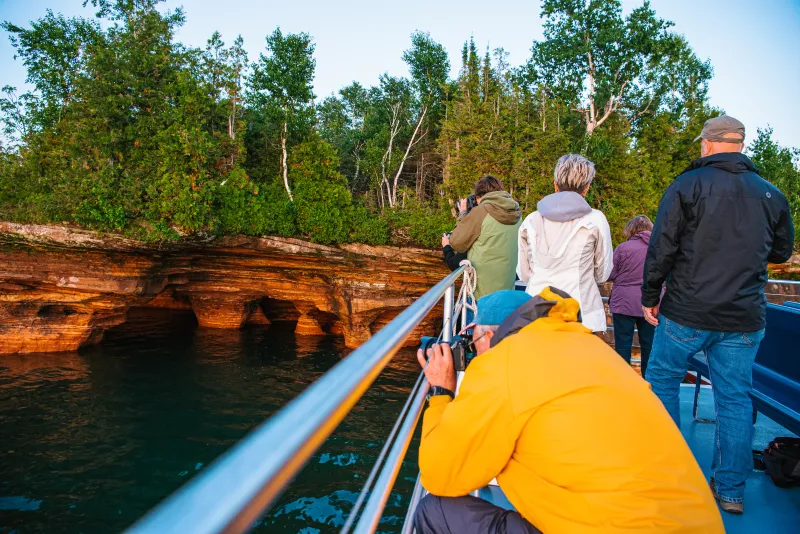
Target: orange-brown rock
[61, 288]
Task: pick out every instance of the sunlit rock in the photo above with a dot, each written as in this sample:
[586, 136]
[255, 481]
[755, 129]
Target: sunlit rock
[61, 288]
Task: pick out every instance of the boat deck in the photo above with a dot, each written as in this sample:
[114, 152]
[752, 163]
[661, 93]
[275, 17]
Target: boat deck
[767, 508]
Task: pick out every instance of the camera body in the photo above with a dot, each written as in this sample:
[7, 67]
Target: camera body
[459, 347]
[471, 202]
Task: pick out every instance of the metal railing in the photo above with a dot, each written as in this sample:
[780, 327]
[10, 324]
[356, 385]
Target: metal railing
[240, 486]
[243, 483]
[520, 285]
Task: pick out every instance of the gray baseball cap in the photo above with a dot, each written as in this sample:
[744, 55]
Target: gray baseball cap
[716, 128]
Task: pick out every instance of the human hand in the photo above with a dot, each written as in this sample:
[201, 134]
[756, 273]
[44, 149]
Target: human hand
[445, 240]
[651, 315]
[462, 205]
[439, 370]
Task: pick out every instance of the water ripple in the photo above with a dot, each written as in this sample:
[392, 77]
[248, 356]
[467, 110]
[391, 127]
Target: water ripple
[101, 436]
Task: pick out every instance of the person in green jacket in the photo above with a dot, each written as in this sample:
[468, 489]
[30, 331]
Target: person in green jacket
[488, 233]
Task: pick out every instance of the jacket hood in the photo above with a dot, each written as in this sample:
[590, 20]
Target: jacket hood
[734, 162]
[551, 302]
[563, 206]
[502, 207]
[642, 236]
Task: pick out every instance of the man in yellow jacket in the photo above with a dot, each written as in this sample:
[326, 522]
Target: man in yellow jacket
[572, 434]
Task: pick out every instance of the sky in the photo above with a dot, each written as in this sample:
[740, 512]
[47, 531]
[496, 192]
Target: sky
[754, 46]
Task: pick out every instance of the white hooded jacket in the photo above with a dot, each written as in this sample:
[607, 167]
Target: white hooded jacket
[567, 244]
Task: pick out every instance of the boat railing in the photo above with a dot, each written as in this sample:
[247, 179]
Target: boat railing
[236, 489]
[521, 285]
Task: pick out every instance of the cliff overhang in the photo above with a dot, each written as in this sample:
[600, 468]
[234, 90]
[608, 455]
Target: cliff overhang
[62, 288]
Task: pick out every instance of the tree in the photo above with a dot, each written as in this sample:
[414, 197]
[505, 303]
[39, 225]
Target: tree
[236, 58]
[599, 62]
[215, 73]
[342, 123]
[54, 53]
[393, 122]
[281, 85]
[429, 66]
[18, 114]
[126, 129]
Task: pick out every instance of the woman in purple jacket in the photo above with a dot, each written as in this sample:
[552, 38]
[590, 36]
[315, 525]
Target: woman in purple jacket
[626, 297]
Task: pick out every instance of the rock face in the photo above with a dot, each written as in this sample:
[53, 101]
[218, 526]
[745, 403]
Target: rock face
[62, 288]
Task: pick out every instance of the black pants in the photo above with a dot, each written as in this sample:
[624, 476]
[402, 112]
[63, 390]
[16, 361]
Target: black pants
[467, 515]
[623, 337]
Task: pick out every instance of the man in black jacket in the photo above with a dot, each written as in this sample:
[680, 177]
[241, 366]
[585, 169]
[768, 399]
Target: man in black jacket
[718, 225]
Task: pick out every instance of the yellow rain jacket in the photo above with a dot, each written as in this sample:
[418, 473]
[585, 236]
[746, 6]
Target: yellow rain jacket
[576, 439]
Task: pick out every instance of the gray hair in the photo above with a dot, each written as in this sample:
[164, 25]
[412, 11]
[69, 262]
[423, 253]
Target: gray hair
[574, 173]
[481, 329]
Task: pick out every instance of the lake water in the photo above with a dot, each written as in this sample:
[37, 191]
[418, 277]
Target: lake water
[91, 441]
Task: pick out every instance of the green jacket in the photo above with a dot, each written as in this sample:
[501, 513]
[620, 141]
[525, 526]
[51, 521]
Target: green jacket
[489, 233]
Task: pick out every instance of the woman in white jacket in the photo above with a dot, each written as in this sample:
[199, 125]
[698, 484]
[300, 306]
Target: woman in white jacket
[567, 244]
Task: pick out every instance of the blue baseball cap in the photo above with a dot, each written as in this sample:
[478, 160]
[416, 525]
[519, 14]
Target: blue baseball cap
[495, 307]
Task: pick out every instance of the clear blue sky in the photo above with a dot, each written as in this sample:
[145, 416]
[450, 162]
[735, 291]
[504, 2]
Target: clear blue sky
[754, 46]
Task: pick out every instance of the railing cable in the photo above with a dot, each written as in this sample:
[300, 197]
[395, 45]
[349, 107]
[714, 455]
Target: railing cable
[351, 518]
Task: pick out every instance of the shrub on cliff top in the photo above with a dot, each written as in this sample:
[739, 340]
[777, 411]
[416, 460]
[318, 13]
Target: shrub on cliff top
[366, 227]
[326, 212]
[321, 195]
[250, 209]
[419, 225]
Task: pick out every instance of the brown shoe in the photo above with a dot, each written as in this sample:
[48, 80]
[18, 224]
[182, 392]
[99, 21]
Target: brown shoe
[730, 507]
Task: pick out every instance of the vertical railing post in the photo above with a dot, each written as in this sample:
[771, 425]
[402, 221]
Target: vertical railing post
[447, 326]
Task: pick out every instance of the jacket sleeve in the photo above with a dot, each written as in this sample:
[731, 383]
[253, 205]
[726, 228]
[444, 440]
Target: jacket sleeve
[468, 229]
[617, 260]
[603, 252]
[453, 259]
[466, 442]
[523, 260]
[783, 238]
[664, 244]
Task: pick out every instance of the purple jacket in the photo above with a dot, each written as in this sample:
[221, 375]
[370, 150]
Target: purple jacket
[626, 297]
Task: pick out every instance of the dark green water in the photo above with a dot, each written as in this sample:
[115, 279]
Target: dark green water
[89, 442]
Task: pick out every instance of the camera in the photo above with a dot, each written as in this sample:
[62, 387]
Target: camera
[471, 202]
[460, 348]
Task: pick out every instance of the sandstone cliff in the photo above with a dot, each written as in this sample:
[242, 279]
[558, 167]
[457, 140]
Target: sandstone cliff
[62, 288]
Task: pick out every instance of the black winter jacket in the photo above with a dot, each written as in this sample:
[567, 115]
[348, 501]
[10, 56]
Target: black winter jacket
[452, 258]
[718, 225]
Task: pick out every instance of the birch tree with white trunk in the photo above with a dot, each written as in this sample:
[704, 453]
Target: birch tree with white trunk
[603, 63]
[281, 85]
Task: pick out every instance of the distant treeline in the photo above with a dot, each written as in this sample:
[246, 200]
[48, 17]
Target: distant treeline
[127, 130]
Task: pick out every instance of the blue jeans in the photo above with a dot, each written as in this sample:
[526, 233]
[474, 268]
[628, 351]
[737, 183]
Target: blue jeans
[730, 361]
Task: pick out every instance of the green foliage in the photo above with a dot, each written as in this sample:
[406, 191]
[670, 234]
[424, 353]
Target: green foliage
[429, 66]
[246, 208]
[54, 52]
[366, 227]
[325, 210]
[130, 135]
[322, 197]
[419, 224]
[126, 130]
[281, 94]
[594, 59]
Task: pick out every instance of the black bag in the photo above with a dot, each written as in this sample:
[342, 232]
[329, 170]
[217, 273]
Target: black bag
[782, 461]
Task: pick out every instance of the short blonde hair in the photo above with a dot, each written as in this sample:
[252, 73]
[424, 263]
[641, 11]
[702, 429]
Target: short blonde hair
[574, 173]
